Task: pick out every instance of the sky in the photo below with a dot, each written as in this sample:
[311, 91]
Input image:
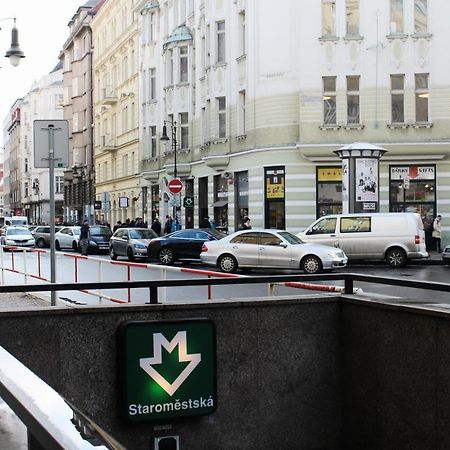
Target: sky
[43, 29]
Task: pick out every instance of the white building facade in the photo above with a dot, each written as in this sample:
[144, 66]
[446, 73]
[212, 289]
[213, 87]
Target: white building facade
[260, 95]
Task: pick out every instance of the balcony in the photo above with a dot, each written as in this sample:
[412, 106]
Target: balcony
[107, 143]
[108, 96]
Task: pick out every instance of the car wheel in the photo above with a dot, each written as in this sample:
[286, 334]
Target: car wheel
[311, 264]
[396, 257]
[112, 253]
[57, 246]
[166, 256]
[130, 254]
[227, 264]
[40, 243]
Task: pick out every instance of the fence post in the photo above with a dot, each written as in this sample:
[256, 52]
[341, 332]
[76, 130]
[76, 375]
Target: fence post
[209, 289]
[348, 285]
[99, 274]
[25, 265]
[153, 295]
[3, 269]
[271, 289]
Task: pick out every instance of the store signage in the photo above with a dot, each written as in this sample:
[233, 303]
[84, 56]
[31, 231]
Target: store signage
[188, 202]
[274, 183]
[167, 369]
[97, 204]
[413, 172]
[371, 206]
[329, 174]
[123, 202]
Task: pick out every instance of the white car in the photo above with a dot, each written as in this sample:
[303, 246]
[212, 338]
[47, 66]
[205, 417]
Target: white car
[67, 237]
[276, 249]
[17, 237]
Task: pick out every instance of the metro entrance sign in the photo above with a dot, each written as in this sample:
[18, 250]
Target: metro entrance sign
[175, 186]
[167, 369]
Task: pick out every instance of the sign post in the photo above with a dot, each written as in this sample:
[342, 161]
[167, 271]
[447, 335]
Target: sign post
[51, 143]
[175, 186]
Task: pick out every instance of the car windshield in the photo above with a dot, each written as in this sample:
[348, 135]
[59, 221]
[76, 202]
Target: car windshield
[16, 231]
[291, 238]
[216, 233]
[19, 221]
[100, 231]
[142, 234]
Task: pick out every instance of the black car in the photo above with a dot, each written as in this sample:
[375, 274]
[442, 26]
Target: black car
[183, 244]
[99, 237]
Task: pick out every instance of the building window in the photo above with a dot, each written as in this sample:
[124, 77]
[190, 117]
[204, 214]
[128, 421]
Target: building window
[184, 130]
[240, 198]
[398, 98]
[329, 191]
[153, 141]
[420, 16]
[222, 116]
[328, 18]
[396, 25]
[26, 164]
[241, 113]
[125, 68]
[242, 42]
[170, 68]
[125, 165]
[25, 189]
[421, 84]
[151, 31]
[352, 16]
[59, 184]
[221, 41]
[329, 100]
[152, 84]
[125, 119]
[183, 64]
[353, 113]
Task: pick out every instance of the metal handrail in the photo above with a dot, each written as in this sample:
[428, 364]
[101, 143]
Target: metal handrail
[153, 285]
[50, 419]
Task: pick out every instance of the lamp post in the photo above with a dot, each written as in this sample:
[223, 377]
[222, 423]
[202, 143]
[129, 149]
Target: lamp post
[165, 139]
[15, 54]
[79, 172]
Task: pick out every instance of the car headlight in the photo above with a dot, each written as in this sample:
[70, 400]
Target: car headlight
[139, 246]
[10, 242]
[31, 241]
[336, 255]
[92, 243]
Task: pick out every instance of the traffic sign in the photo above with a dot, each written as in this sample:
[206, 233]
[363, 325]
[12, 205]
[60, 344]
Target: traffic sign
[175, 186]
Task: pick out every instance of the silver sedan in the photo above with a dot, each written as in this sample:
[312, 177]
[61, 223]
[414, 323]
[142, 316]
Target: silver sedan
[261, 249]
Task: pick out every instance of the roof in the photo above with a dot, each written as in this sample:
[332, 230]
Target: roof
[181, 34]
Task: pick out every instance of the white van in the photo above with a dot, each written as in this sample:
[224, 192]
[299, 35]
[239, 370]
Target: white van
[395, 237]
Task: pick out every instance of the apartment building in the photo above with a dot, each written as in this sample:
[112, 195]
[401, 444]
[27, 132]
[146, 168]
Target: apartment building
[76, 55]
[116, 100]
[259, 97]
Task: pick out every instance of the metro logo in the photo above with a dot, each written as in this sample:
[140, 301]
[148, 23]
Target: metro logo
[167, 369]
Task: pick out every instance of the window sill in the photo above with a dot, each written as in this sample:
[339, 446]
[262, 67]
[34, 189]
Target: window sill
[422, 125]
[184, 150]
[241, 137]
[355, 37]
[150, 159]
[426, 36]
[183, 84]
[393, 37]
[220, 141]
[328, 39]
[397, 126]
[241, 58]
[220, 64]
[330, 127]
[353, 126]
[168, 87]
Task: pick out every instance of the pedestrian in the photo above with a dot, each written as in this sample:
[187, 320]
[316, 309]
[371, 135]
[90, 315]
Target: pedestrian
[437, 232]
[168, 225]
[84, 237]
[205, 222]
[246, 223]
[176, 225]
[117, 225]
[156, 226]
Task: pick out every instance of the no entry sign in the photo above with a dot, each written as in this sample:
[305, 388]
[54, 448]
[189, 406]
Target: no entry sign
[175, 186]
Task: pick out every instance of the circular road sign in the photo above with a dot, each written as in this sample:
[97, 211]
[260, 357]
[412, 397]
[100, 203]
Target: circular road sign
[175, 186]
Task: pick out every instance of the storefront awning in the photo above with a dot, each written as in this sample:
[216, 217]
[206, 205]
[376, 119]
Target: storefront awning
[219, 204]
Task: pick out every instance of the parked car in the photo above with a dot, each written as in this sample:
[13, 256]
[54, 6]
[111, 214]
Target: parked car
[181, 245]
[17, 236]
[264, 249]
[395, 237]
[67, 237]
[42, 235]
[130, 242]
[446, 255]
[99, 238]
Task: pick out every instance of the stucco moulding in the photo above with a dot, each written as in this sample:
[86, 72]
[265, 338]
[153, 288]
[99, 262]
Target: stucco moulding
[219, 163]
[183, 170]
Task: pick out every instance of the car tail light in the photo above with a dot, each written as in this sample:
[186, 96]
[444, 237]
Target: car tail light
[417, 239]
[204, 248]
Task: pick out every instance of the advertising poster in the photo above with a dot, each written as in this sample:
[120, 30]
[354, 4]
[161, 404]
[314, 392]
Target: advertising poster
[366, 177]
[274, 184]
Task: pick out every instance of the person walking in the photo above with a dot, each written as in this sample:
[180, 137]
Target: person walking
[156, 226]
[205, 222]
[246, 224]
[437, 232]
[84, 237]
[168, 225]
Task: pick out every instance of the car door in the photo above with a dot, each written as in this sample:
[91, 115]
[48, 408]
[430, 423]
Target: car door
[122, 243]
[245, 248]
[273, 251]
[355, 237]
[182, 243]
[65, 238]
[323, 231]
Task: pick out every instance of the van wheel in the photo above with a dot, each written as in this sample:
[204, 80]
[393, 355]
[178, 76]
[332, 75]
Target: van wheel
[396, 257]
[311, 264]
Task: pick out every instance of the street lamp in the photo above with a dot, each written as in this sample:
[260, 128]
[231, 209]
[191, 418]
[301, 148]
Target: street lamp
[14, 53]
[165, 139]
[79, 172]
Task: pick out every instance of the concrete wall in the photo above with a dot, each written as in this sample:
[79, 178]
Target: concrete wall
[277, 370]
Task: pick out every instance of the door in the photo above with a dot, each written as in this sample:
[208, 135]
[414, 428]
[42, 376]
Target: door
[245, 247]
[273, 252]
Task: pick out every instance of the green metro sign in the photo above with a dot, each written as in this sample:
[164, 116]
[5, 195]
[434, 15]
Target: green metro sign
[167, 369]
